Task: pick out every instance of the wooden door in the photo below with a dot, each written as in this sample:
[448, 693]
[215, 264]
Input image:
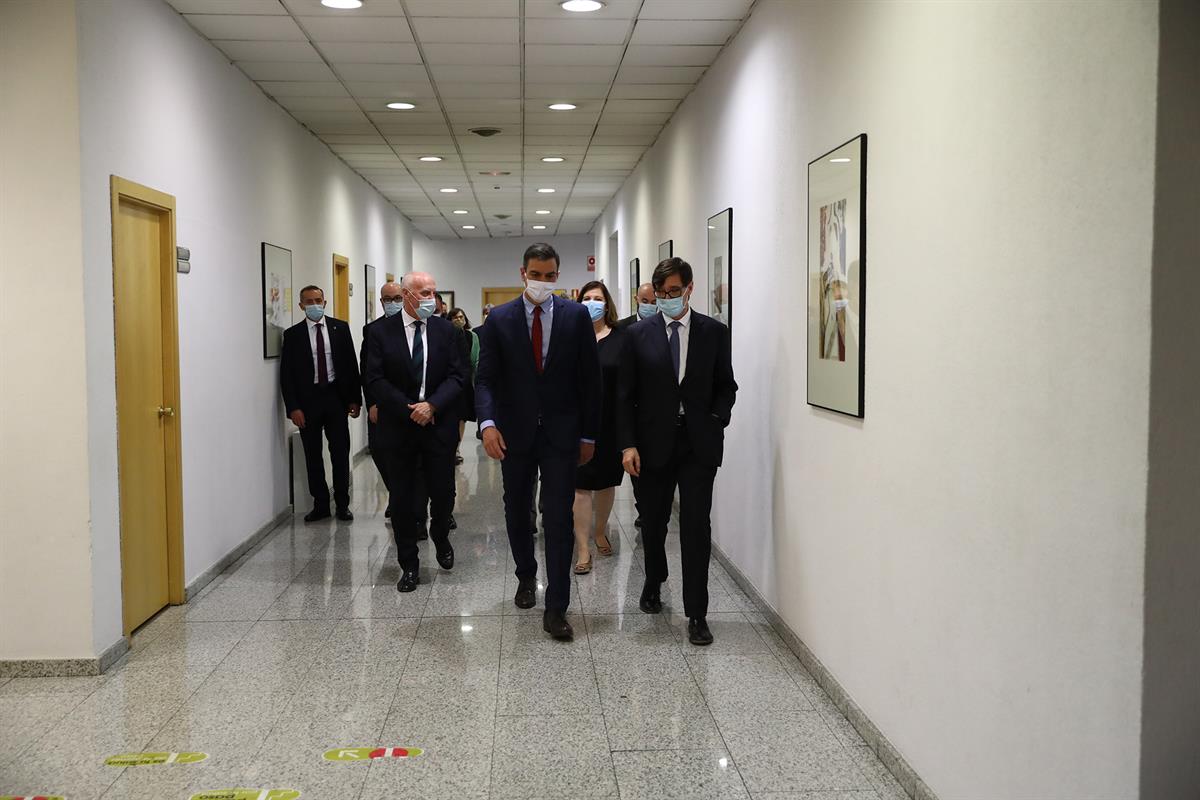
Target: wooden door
[341, 287]
[498, 295]
[147, 391]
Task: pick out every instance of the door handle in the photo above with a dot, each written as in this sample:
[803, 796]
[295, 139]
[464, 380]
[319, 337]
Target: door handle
[166, 412]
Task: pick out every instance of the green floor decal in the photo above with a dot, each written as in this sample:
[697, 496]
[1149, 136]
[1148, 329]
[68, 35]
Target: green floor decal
[367, 753]
[151, 759]
[247, 794]
[32, 797]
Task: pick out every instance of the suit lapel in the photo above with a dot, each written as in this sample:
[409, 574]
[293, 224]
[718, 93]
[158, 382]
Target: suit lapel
[695, 342]
[520, 329]
[660, 344]
[556, 305]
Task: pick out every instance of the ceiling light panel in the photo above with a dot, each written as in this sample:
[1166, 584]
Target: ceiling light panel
[369, 8]
[551, 9]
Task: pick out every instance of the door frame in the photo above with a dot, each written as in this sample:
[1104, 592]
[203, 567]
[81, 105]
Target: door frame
[341, 306]
[122, 189]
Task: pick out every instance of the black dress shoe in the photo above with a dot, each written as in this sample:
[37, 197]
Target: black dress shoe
[555, 623]
[698, 632]
[453, 523]
[317, 514]
[637, 523]
[344, 515]
[651, 600]
[446, 557]
[526, 596]
[408, 581]
[387, 513]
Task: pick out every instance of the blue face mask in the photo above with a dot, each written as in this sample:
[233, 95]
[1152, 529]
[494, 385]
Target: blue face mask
[671, 307]
[314, 312]
[595, 308]
[647, 310]
[426, 309]
[392, 309]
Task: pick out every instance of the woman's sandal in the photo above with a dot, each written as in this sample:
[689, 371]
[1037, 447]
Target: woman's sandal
[603, 545]
[583, 567]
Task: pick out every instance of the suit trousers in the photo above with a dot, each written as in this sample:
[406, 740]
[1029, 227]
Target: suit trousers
[326, 413]
[557, 468]
[421, 463]
[378, 452]
[657, 491]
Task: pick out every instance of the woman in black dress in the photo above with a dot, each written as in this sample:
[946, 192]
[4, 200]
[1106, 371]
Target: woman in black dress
[597, 483]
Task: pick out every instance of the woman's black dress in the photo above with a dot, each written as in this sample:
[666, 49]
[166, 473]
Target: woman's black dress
[604, 470]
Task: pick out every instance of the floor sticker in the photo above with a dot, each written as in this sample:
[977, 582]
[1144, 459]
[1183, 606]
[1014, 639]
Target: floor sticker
[367, 753]
[32, 797]
[150, 759]
[247, 794]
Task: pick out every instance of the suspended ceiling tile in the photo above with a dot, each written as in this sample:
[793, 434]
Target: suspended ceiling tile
[318, 103]
[508, 121]
[268, 51]
[696, 9]
[371, 8]
[671, 55]
[683, 31]
[356, 29]
[481, 104]
[382, 73]
[688, 75]
[391, 129]
[610, 118]
[581, 55]
[245, 27]
[463, 8]
[371, 52]
[253, 7]
[575, 31]
[552, 91]
[303, 89]
[458, 31]
[353, 138]
[449, 73]
[286, 71]
[652, 91]
[532, 139]
[617, 106]
[569, 74]
[392, 90]
[503, 55]
[324, 129]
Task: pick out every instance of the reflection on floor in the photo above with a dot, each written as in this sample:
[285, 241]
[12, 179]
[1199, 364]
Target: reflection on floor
[304, 646]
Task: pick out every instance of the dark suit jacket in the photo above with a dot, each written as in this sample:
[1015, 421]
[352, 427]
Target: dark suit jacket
[368, 398]
[394, 382]
[296, 365]
[625, 322]
[565, 398]
[648, 395]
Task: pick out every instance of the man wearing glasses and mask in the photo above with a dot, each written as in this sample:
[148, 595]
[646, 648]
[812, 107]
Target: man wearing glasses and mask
[674, 400]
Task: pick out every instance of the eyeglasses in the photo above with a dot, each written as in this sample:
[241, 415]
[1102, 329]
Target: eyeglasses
[392, 298]
[671, 293]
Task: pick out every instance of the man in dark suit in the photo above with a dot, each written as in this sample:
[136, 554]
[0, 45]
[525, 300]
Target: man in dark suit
[645, 306]
[390, 299]
[537, 398]
[318, 377]
[415, 373]
[674, 399]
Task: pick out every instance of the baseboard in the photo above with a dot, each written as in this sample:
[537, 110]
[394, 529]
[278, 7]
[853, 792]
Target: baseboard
[888, 754]
[64, 667]
[196, 586]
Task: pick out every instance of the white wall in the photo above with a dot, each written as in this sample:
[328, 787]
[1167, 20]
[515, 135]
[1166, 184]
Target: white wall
[162, 107]
[967, 561]
[45, 566]
[466, 266]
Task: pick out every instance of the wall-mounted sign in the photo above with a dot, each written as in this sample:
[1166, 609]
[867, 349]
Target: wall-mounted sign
[591, 263]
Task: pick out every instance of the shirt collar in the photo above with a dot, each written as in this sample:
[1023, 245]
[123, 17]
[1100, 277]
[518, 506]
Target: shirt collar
[683, 321]
[312, 324]
[547, 304]
[409, 319]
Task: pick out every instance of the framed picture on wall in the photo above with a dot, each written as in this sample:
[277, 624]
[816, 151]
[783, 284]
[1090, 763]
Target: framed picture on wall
[372, 291]
[276, 297]
[837, 277]
[635, 279]
[666, 250]
[448, 299]
[720, 267]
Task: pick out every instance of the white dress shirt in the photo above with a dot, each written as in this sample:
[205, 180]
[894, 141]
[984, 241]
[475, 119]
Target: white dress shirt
[685, 327]
[312, 342]
[410, 333]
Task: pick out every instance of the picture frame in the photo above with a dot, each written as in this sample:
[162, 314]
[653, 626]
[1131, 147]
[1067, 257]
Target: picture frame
[276, 297]
[447, 298]
[720, 267]
[372, 291]
[635, 280]
[666, 250]
[837, 278]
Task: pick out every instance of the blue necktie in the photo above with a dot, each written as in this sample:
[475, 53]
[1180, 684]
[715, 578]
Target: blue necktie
[418, 351]
[674, 344]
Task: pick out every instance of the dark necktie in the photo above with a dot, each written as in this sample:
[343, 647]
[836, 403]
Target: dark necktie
[537, 339]
[674, 344]
[418, 351]
[322, 370]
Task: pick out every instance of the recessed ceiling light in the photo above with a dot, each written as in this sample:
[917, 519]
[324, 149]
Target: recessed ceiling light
[431, 159]
[398, 106]
[468, 227]
[461, 211]
[561, 107]
[342, 5]
[839, 161]
[539, 227]
[547, 191]
[553, 159]
[542, 211]
[448, 191]
[581, 5]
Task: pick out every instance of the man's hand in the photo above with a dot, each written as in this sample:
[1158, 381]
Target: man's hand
[631, 460]
[354, 410]
[297, 418]
[373, 414]
[493, 443]
[422, 413]
[586, 451]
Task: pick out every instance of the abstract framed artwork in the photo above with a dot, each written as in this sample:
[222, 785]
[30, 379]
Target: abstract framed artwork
[837, 288]
[372, 291]
[276, 297]
[720, 267]
[448, 299]
[666, 250]
[635, 280]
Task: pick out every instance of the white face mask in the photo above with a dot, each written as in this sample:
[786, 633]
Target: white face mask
[538, 291]
[840, 305]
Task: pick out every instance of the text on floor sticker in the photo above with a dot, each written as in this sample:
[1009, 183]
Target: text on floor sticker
[151, 759]
[247, 794]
